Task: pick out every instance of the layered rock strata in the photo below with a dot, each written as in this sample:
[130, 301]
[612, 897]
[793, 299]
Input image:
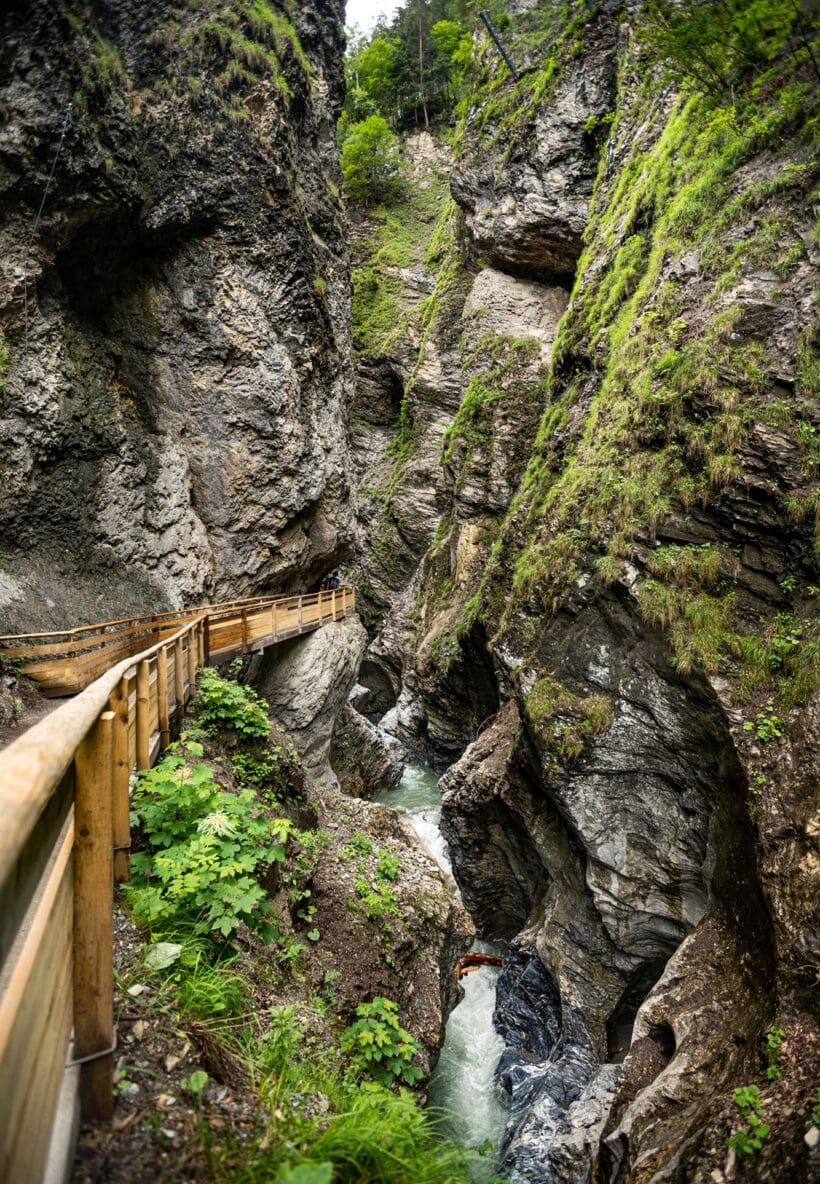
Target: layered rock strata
[614, 618]
[175, 325]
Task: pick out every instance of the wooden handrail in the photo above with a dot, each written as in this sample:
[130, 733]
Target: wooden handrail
[34, 764]
[64, 787]
[66, 666]
[170, 615]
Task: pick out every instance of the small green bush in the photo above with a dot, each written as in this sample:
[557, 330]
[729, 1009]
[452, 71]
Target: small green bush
[388, 867]
[748, 1139]
[377, 1044]
[359, 844]
[767, 725]
[205, 850]
[774, 1041]
[223, 705]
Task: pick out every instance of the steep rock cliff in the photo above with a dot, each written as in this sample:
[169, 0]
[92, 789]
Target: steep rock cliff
[636, 598]
[175, 324]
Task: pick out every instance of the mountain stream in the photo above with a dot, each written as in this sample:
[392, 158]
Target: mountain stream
[462, 1088]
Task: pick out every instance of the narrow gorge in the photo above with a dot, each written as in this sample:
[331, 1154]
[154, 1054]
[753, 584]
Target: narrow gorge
[528, 358]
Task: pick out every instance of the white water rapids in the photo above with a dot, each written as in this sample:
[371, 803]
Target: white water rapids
[462, 1088]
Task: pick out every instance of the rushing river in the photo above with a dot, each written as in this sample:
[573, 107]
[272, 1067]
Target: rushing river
[462, 1088]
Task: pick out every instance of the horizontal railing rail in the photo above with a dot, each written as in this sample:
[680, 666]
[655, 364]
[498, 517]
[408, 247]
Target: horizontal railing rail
[63, 663]
[65, 841]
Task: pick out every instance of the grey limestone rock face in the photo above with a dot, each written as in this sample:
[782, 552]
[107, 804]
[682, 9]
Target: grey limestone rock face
[366, 760]
[307, 682]
[604, 861]
[472, 487]
[433, 371]
[170, 420]
[526, 198]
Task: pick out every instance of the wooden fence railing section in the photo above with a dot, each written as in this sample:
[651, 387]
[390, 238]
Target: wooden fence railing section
[65, 662]
[65, 841]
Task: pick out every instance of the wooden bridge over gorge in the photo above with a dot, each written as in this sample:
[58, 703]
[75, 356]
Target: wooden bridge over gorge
[65, 841]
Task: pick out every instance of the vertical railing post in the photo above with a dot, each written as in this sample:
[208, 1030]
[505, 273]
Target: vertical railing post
[273, 620]
[143, 715]
[333, 603]
[163, 713]
[178, 682]
[300, 614]
[93, 968]
[191, 661]
[206, 641]
[244, 630]
[118, 703]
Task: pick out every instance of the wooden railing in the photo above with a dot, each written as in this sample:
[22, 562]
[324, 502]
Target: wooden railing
[63, 663]
[65, 841]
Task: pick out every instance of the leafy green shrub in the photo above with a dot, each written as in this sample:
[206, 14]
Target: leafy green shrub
[377, 903]
[388, 867]
[205, 850]
[377, 1044]
[774, 1040]
[255, 770]
[767, 726]
[748, 1139]
[359, 844]
[223, 705]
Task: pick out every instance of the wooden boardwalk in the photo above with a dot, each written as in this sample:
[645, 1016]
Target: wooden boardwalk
[64, 663]
[65, 841]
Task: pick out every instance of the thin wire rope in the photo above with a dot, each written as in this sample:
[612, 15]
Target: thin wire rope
[33, 234]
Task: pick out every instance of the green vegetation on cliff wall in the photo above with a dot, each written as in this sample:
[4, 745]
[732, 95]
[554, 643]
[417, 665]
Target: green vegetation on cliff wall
[688, 310]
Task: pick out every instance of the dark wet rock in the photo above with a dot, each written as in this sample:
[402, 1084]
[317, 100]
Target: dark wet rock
[366, 760]
[559, 1095]
[528, 1016]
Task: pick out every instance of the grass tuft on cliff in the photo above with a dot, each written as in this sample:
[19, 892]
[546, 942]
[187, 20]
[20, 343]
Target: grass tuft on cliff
[671, 381]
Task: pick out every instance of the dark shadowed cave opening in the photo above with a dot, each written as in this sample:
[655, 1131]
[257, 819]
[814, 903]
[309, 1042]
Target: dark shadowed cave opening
[622, 1019]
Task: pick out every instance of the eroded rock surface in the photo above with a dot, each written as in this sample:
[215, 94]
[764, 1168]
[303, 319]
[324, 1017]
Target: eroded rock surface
[307, 681]
[366, 760]
[527, 199]
[178, 374]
